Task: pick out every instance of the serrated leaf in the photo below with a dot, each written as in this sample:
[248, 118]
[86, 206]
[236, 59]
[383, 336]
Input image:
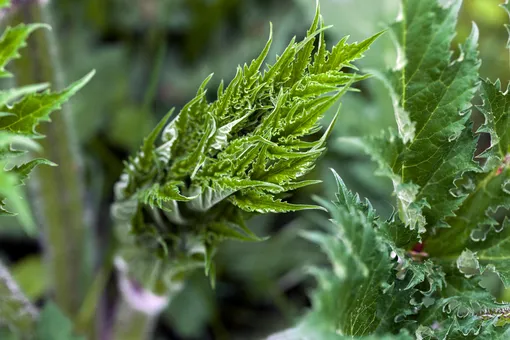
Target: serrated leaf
[194, 161]
[226, 231]
[344, 54]
[291, 166]
[431, 92]
[487, 191]
[296, 185]
[496, 109]
[13, 145]
[252, 200]
[205, 198]
[9, 95]
[346, 299]
[148, 148]
[474, 220]
[10, 191]
[255, 65]
[12, 40]
[468, 311]
[34, 108]
[21, 110]
[446, 234]
[492, 254]
[23, 171]
[157, 195]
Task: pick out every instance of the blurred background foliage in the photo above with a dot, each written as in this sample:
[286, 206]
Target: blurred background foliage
[150, 56]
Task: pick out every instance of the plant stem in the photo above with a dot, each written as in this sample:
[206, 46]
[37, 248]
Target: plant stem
[58, 193]
[138, 308]
[15, 310]
[132, 324]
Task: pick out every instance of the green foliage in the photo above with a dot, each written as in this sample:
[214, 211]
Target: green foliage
[485, 192]
[423, 271]
[361, 263]
[4, 3]
[418, 274]
[379, 285]
[374, 283]
[53, 324]
[22, 109]
[23, 273]
[241, 154]
[431, 94]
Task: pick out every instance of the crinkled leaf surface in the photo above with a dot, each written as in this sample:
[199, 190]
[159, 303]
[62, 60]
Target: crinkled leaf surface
[445, 236]
[475, 226]
[431, 92]
[361, 264]
[373, 283]
[466, 311]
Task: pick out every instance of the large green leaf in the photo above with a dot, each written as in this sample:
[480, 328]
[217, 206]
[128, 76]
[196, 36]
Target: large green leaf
[431, 94]
[484, 192]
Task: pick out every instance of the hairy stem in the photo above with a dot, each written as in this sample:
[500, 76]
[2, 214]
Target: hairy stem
[138, 308]
[58, 192]
[15, 310]
[132, 324]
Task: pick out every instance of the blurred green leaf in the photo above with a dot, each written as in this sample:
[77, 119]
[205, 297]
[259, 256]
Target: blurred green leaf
[30, 274]
[12, 40]
[54, 325]
[5, 3]
[193, 308]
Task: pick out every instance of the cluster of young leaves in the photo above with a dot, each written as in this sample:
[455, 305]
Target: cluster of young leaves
[421, 273]
[21, 110]
[239, 155]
